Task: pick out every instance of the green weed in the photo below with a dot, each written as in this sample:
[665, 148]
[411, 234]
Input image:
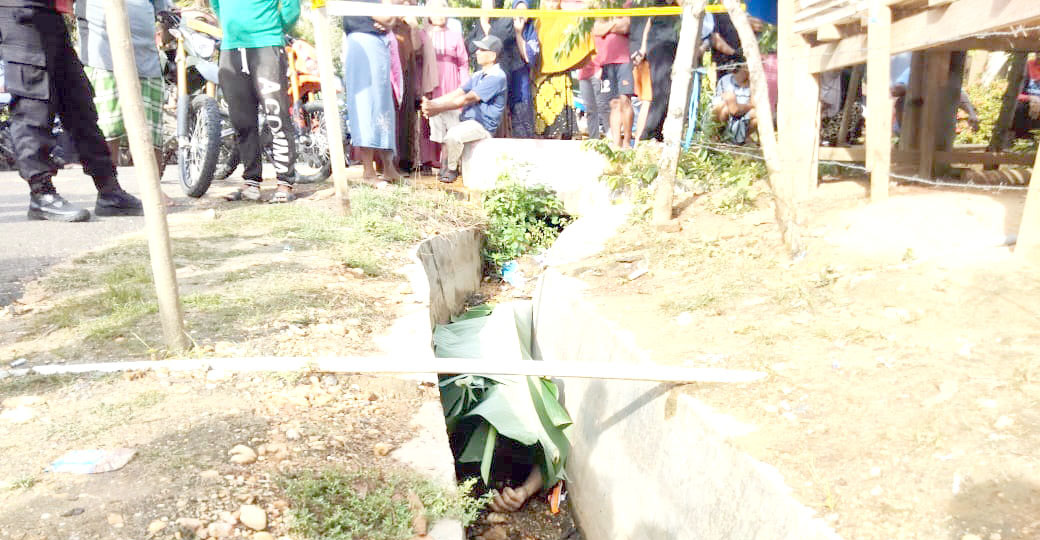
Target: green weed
[341, 505]
[521, 219]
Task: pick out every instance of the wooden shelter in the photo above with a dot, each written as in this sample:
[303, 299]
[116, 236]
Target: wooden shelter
[817, 36]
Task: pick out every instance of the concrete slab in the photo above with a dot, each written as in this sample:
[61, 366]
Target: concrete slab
[446, 270]
[565, 166]
[648, 462]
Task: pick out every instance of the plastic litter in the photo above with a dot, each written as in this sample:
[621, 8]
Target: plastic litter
[92, 461]
[512, 274]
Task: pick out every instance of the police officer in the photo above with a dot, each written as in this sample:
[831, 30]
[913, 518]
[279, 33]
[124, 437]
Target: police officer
[45, 77]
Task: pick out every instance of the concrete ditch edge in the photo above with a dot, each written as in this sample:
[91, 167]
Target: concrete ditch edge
[649, 462]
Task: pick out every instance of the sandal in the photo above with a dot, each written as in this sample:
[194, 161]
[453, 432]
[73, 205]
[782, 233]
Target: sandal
[284, 194]
[247, 193]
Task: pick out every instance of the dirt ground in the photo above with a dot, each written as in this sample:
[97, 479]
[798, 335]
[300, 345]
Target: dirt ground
[182, 426]
[902, 393]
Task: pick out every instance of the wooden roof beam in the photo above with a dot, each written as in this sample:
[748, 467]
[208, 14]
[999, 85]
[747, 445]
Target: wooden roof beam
[931, 28]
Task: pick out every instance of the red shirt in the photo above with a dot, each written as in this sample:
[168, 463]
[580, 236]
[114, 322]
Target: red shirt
[611, 49]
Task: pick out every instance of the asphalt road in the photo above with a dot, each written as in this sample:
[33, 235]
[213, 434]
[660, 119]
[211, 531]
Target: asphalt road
[30, 247]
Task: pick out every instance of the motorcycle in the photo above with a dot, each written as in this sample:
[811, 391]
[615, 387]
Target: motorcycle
[200, 124]
[312, 145]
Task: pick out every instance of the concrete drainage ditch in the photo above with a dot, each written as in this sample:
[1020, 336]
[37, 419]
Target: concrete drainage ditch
[647, 462]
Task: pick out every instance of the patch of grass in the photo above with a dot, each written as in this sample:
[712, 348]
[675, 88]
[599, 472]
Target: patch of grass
[24, 482]
[340, 505]
[379, 221]
[105, 416]
[34, 384]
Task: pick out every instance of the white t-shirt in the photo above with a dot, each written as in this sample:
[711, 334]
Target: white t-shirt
[728, 84]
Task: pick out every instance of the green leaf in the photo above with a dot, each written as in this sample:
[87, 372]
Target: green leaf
[489, 451]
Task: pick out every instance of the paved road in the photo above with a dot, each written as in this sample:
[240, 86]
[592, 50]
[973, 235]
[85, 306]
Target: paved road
[30, 247]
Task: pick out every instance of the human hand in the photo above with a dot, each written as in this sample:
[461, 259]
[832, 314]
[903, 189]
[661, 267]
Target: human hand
[509, 500]
[1034, 107]
[519, 22]
[973, 121]
[426, 106]
[380, 26]
[638, 57]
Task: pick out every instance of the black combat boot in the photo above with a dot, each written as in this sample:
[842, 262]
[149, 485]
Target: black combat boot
[116, 202]
[53, 207]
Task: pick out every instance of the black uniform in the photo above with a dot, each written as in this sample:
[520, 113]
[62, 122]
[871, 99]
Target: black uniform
[45, 77]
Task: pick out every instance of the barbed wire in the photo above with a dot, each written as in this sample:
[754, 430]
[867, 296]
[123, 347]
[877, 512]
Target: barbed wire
[745, 151]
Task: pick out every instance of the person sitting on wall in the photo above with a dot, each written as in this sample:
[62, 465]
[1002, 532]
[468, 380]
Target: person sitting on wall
[481, 99]
[732, 105]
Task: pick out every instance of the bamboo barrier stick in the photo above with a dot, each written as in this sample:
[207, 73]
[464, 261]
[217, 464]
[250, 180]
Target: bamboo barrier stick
[399, 365]
[147, 171]
[330, 101]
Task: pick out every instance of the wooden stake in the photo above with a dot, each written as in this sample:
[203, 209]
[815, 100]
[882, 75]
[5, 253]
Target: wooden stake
[786, 211]
[850, 102]
[147, 171]
[937, 68]
[910, 122]
[799, 112]
[682, 72]
[1028, 246]
[330, 100]
[483, 366]
[879, 103]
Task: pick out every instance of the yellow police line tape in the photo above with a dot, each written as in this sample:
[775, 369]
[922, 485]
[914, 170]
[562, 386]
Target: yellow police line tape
[347, 8]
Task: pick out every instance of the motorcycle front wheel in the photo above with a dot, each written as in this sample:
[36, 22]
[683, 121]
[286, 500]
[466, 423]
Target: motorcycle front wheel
[198, 143]
[312, 146]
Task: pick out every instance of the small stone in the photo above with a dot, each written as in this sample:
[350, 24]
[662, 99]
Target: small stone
[242, 454]
[292, 434]
[156, 526]
[875, 472]
[74, 512]
[115, 520]
[373, 397]
[382, 449]
[220, 529]
[876, 491]
[18, 362]
[189, 524]
[253, 516]
[496, 517]
[329, 379]
[209, 475]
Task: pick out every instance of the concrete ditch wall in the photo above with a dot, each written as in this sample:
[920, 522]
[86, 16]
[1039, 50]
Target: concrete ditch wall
[651, 463]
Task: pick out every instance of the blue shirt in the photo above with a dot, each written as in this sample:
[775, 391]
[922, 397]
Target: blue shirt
[490, 86]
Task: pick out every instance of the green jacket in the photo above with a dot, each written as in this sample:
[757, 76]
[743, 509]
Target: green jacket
[251, 24]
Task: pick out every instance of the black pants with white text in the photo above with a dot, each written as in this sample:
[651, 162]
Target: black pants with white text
[254, 79]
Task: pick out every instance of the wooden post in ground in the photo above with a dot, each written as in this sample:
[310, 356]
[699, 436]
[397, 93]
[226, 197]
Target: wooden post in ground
[330, 101]
[682, 72]
[937, 68]
[910, 122]
[798, 110]
[850, 101]
[147, 171]
[879, 103]
[1007, 107]
[784, 203]
[1028, 245]
[946, 130]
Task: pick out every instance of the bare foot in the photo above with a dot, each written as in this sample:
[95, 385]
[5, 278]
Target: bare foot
[513, 499]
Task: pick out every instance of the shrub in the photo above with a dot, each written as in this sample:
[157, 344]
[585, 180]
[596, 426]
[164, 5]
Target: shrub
[521, 219]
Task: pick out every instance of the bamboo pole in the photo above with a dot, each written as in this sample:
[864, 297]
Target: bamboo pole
[1010, 100]
[147, 171]
[399, 365]
[330, 101]
[682, 72]
[786, 211]
[1028, 246]
[850, 101]
[879, 102]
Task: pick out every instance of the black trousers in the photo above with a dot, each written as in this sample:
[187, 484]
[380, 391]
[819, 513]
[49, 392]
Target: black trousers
[1022, 124]
[661, 57]
[252, 79]
[45, 77]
